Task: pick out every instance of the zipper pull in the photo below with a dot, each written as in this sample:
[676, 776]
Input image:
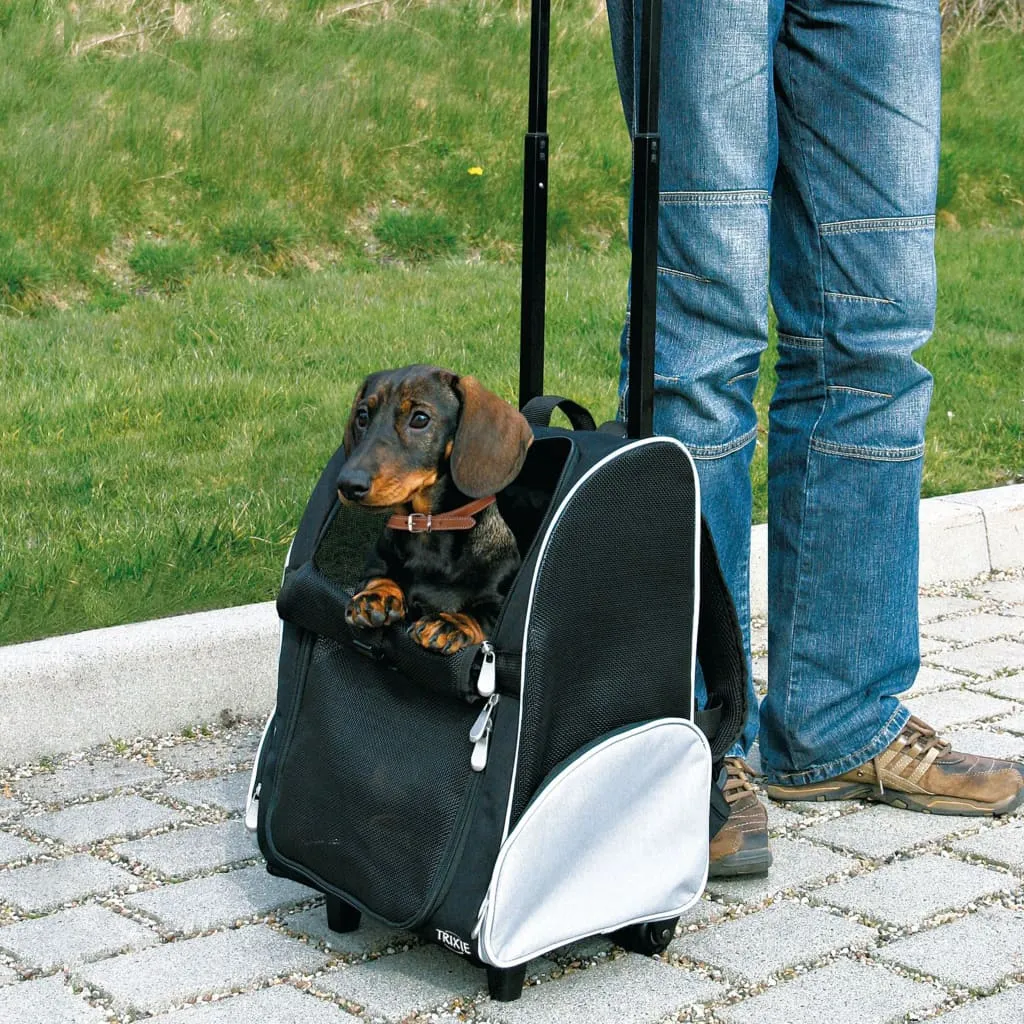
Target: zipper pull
[252, 809]
[486, 679]
[480, 734]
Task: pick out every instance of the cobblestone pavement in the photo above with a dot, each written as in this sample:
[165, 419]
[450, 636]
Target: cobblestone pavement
[129, 891]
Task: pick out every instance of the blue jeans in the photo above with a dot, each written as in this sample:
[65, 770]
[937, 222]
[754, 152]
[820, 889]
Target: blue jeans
[807, 131]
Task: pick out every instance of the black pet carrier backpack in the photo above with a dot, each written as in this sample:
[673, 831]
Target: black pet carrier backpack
[554, 781]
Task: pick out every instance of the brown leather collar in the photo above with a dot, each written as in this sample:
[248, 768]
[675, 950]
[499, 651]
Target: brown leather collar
[424, 522]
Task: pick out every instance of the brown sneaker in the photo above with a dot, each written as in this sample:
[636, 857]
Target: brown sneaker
[741, 845]
[919, 771]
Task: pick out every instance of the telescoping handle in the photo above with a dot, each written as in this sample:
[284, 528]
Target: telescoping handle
[643, 224]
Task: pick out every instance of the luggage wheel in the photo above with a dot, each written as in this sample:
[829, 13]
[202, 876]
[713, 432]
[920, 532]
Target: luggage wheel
[648, 937]
[341, 916]
[505, 985]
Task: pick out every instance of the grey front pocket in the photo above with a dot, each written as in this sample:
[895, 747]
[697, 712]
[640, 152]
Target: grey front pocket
[615, 836]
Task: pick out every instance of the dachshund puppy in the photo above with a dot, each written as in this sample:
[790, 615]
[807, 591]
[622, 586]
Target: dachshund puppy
[425, 442]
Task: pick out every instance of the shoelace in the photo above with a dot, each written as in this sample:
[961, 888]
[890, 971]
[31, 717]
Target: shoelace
[737, 779]
[915, 734]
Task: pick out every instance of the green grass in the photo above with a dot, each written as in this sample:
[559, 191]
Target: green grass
[207, 241]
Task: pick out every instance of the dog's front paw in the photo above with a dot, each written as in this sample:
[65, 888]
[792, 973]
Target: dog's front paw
[447, 633]
[379, 603]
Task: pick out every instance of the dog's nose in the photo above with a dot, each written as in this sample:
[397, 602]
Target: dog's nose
[354, 484]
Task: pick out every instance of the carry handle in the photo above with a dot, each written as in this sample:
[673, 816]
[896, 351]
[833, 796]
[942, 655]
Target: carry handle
[538, 412]
[643, 225]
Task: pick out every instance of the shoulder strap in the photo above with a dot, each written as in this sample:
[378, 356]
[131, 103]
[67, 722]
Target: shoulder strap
[720, 653]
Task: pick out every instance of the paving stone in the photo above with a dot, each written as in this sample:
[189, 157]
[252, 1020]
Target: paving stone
[975, 628]
[279, 1004]
[226, 792]
[1011, 687]
[189, 851]
[844, 992]
[46, 1001]
[976, 952]
[1014, 724]
[175, 972]
[930, 679]
[87, 779]
[1005, 1008]
[14, 848]
[369, 937]
[115, 816]
[585, 949]
[989, 742]
[633, 988]
[882, 831]
[219, 899]
[220, 754]
[954, 707]
[394, 986]
[1004, 845]
[931, 608]
[703, 912]
[781, 818]
[45, 886]
[984, 659]
[9, 808]
[758, 945]
[74, 936]
[929, 647]
[909, 891]
[1009, 591]
[793, 864]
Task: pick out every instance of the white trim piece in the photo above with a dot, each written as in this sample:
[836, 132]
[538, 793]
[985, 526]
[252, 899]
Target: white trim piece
[252, 800]
[559, 512]
[564, 866]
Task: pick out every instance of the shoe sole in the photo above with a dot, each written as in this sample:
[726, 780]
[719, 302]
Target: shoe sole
[935, 804]
[742, 864]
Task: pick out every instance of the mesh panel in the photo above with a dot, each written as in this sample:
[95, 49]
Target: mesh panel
[349, 538]
[374, 783]
[611, 629]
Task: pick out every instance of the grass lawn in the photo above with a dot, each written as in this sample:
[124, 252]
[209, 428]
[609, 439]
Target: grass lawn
[214, 223]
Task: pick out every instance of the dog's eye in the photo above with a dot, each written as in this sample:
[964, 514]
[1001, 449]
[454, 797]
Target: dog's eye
[418, 420]
[362, 418]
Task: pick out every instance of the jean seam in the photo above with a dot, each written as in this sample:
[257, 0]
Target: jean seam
[736, 197]
[798, 341]
[853, 451]
[841, 765]
[847, 297]
[708, 453]
[857, 391]
[684, 274]
[844, 227]
[799, 597]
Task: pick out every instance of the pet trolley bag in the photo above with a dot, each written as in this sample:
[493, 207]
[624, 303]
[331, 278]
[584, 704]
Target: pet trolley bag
[553, 782]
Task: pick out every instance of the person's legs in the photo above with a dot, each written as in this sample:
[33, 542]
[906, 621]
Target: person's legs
[717, 120]
[853, 286]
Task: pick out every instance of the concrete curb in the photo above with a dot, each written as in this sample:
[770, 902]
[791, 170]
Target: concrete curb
[70, 692]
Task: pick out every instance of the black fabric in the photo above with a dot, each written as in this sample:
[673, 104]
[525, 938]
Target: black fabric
[315, 603]
[538, 412]
[611, 628]
[375, 785]
[720, 649]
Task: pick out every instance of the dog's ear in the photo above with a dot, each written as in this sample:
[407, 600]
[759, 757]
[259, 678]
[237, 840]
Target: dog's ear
[490, 441]
[349, 441]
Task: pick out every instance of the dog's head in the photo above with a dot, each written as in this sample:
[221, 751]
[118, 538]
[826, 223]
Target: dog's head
[410, 427]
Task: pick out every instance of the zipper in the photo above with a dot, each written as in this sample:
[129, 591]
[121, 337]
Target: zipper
[487, 677]
[480, 734]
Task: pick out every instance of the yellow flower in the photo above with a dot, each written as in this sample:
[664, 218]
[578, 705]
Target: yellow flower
[475, 170]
